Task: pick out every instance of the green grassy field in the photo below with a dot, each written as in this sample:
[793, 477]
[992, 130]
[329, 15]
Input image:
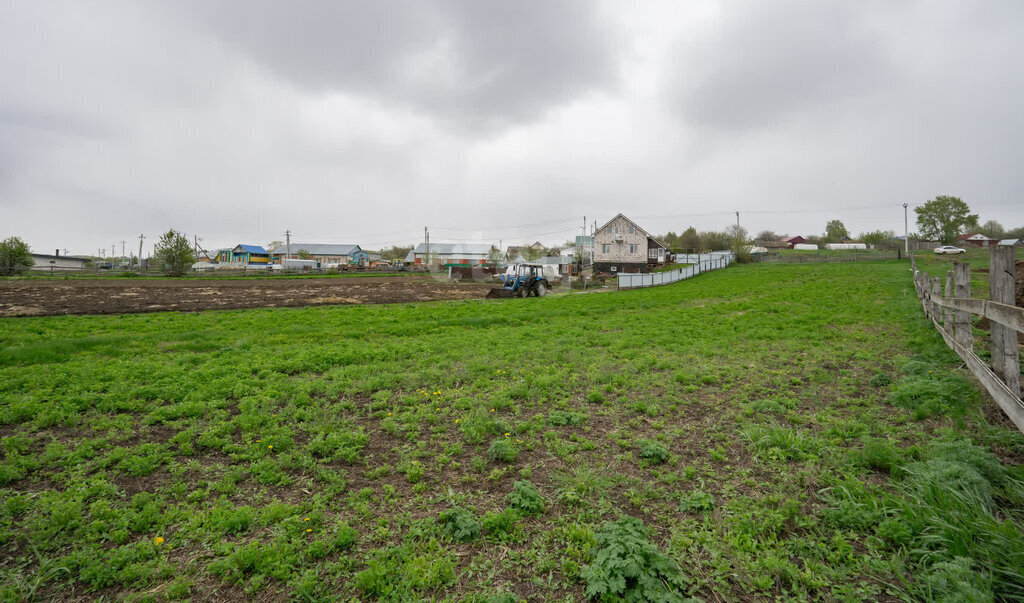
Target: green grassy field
[766, 431]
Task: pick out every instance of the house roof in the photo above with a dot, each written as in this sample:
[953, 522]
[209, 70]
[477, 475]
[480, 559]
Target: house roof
[974, 236]
[320, 248]
[1012, 242]
[456, 248]
[620, 215]
[59, 257]
[251, 248]
[791, 239]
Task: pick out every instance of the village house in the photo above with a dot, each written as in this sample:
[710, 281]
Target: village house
[56, 262]
[325, 253]
[975, 239]
[244, 254]
[622, 246]
[453, 254]
[793, 241]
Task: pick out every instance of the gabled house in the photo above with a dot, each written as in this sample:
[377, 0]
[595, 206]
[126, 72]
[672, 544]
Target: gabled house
[791, 241]
[622, 246]
[244, 254]
[975, 239]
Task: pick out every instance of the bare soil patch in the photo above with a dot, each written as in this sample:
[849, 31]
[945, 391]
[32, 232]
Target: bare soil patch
[128, 296]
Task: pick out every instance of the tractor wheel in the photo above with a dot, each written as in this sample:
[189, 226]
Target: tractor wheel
[523, 291]
[542, 290]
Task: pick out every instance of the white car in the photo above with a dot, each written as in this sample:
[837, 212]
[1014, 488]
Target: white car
[948, 249]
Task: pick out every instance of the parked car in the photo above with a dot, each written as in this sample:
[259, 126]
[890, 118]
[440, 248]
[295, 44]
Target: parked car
[948, 249]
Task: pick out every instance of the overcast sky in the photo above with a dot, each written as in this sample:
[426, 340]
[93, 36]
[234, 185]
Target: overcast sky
[363, 122]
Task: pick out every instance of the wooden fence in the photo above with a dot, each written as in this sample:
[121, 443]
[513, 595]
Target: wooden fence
[947, 302]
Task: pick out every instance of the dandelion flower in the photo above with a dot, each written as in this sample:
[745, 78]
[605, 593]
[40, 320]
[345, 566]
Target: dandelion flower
[158, 540]
[456, 420]
[507, 434]
[309, 530]
[306, 519]
[270, 446]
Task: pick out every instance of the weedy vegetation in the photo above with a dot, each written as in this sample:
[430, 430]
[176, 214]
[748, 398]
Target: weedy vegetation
[761, 432]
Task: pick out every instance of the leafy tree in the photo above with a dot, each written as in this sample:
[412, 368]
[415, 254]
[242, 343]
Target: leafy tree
[943, 218]
[715, 241]
[395, 253]
[768, 235]
[174, 253]
[690, 239]
[878, 237]
[15, 256]
[992, 230]
[835, 230]
[1016, 233]
[739, 242]
[303, 254]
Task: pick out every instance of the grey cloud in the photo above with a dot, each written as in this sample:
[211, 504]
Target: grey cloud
[769, 60]
[473, 64]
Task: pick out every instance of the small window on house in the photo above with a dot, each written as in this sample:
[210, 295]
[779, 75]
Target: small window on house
[632, 248]
[606, 248]
[615, 268]
[632, 229]
[615, 230]
[652, 253]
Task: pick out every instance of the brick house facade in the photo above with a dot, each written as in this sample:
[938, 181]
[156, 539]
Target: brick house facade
[620, 246]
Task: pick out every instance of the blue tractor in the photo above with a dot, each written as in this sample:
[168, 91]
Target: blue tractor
[522, 280]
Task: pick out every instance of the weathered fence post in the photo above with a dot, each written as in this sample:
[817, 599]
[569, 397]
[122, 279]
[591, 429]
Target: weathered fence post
[1002, 289]
[947, 314]
[936, 295]
[962, 290]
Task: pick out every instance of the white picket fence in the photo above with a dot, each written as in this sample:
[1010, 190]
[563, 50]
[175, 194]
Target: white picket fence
[704, 262]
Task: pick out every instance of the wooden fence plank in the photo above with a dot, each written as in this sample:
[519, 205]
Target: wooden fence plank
[947, 314]
[1002, 290]
[962, 289]
[1007, 400]
[1009, 316]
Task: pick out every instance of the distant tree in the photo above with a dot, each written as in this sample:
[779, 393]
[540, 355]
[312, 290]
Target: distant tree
[395, 253]
[303, 254]
[944, 218]
[992, 230]
[271, 246]
[1016, 233]
[15, 256]
[768, 235]
[836, 231]
[670, 239]
[174, 253]
[715, 241]
[495, 256]
[877, 237]
[690, 239]
[739, 242]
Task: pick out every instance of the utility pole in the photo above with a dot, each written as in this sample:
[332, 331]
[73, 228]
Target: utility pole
[426, 243]
[288, 244]
[141, 236]
[122, 249]
[113, 250]
[906, 230]
[737, 219]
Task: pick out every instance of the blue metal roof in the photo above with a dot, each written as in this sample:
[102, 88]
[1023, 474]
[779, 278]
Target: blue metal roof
[252, 248]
